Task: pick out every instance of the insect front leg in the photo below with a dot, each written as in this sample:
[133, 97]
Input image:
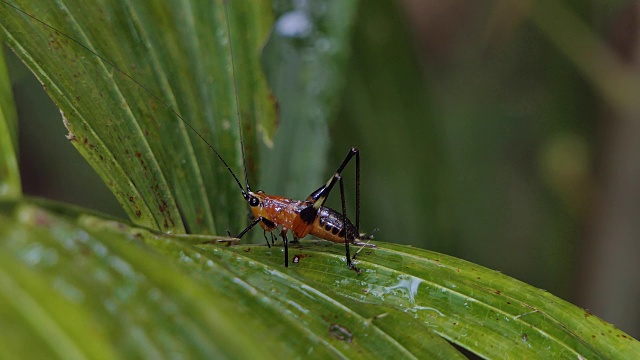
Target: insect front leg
[255, 221]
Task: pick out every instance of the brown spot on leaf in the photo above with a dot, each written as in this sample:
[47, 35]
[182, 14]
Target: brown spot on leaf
[340, 332]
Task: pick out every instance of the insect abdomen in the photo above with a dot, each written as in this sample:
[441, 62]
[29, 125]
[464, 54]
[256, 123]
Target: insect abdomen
[329, 225]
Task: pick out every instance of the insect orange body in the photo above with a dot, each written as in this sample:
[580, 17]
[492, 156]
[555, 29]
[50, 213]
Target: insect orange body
[280, 211]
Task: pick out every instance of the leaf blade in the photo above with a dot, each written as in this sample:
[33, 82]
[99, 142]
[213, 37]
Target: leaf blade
[460, 301]
[10, 186]
[159, 169]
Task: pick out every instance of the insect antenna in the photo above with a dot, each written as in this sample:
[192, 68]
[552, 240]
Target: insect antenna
[235, 92]
[156, 97]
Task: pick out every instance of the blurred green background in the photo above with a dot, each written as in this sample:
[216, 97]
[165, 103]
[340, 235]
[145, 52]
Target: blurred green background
[503, 132]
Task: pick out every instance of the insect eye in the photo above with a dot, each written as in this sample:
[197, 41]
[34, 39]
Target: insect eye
[253, 202]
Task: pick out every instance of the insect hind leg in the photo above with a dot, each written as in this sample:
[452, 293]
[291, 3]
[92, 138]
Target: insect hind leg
[344, 224]
[319, 197]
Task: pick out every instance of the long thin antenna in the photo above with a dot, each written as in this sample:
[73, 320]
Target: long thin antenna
[113, 65]
[235, 85]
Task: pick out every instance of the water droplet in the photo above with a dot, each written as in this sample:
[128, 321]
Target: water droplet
[68, 290]
[294, 24]
[409, 284]
[37, 254]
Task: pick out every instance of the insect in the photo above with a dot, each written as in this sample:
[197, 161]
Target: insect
[273, 213]
[309, 216]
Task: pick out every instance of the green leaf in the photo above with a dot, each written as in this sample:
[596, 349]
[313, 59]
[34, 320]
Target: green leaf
[107, 292]
[164, 175]
[116, 288]
[9, 174]
[75, 284]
